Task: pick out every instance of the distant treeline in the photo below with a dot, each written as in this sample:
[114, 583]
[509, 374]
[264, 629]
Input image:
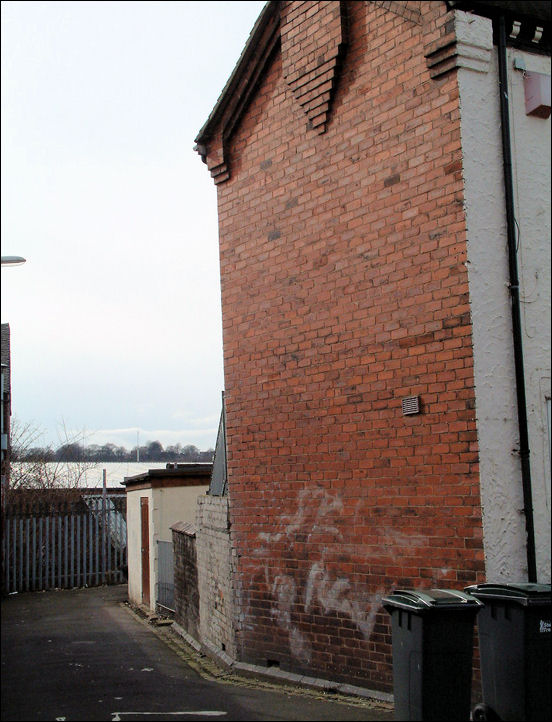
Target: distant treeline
[152, 451]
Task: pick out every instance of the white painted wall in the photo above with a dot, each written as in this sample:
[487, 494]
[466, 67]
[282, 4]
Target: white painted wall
[134, 543]
[174, 504]
[531, 162]
[496, 407]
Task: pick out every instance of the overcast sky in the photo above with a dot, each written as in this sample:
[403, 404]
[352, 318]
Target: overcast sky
[115, 318]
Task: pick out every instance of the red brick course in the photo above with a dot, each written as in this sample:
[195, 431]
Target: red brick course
[344, 289]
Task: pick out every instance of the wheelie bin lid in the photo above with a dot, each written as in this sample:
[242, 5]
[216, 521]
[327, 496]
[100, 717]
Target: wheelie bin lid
[525, 593]
[429, 600]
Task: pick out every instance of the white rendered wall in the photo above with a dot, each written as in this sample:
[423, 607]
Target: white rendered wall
[166, 507]
[531, 163]
[134, 543]
[170, 504]
[496, 407]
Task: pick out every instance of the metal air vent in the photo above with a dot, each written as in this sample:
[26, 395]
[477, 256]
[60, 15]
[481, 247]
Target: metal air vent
[411, 405]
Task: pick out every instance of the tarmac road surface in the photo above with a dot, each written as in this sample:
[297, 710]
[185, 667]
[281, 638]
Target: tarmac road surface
[84, 655]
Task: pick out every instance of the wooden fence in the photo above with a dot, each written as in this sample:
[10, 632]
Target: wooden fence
[65, 549]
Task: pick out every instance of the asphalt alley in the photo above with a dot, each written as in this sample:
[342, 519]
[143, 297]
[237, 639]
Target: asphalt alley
[84, 655]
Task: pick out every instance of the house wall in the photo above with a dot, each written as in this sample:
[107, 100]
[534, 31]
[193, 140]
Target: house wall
[500, 469]
[344, 290]
[531, 159]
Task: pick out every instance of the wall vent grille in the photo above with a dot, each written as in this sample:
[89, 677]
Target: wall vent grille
[411, 405]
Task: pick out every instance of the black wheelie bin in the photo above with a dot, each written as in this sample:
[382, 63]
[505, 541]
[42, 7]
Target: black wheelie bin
[432, 653]
[515, 645]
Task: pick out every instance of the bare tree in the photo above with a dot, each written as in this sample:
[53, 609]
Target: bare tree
[38, 467]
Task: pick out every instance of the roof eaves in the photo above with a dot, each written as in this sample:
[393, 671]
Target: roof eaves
[193, 469]
[267, 13]
[539, 10]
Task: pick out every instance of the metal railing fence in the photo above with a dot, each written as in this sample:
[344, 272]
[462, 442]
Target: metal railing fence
[64, 550]
[165, 583]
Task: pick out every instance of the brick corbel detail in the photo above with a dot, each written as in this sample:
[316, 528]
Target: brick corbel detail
[407, 9]
[467, 42]
[240, 91]
[313, 36]
[216, 160]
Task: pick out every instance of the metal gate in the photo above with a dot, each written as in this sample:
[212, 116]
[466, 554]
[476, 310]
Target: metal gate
[165, 576]
[64, 550]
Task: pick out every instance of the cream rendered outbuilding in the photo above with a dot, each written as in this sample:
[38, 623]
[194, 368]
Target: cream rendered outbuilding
[155, 501]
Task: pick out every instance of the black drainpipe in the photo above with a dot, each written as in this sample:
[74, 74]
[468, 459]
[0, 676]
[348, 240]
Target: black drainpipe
[516, 308]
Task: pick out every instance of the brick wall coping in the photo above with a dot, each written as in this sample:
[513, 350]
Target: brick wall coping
[184, 527]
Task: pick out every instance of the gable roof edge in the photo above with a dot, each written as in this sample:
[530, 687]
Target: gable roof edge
[270, 10]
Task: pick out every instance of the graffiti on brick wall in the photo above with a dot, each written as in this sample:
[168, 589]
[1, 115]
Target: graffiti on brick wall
[319, 523]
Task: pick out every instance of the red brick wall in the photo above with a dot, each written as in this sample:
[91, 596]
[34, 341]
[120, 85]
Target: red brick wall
[344, 289]
[313, 36]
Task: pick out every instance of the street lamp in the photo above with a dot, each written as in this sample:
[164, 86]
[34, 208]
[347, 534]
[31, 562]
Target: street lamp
[13, 260]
